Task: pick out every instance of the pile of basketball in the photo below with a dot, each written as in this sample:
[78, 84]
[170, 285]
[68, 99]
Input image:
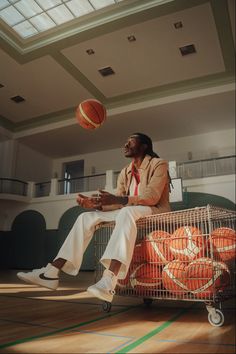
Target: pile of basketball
[186, 261]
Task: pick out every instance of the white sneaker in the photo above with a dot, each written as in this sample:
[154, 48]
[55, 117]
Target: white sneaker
[104, 289]
[43, 277]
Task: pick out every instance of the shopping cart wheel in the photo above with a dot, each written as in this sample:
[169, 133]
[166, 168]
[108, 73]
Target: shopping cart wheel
[216, 318]
[147, 302]
[106, 306]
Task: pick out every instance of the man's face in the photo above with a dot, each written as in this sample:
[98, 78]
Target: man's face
[133, 147]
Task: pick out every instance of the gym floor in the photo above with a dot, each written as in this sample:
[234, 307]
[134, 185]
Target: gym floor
[37, 320]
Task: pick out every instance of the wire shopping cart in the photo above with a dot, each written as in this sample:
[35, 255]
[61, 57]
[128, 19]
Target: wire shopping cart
[184, 255]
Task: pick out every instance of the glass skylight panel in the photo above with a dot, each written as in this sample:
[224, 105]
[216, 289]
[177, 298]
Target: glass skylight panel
[60, 14]
[11, 16]
[98, 4]
[25, 29]
[28, 8]
[3, 3]
[29, 17]
[79, 7]
[42, 22]
[48, 4]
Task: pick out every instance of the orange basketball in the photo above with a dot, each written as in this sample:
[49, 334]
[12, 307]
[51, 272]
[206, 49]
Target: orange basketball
[174, 277]
[124, 283]
[138, 254]
[156, 247]
[187, 243]
[146, 277]
[90, 114]
[223, 240]
[137, 259]
[205, 277]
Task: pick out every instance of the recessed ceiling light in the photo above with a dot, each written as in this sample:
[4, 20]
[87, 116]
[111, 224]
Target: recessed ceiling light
[131, 38]
[188, 49]
[18, 99]
[90, 51]
[178, 24]
[106, 71]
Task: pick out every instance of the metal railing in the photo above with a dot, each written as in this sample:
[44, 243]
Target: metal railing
[42, 189]
[82, 184]
[218, 166]
[186, 170]
[13, 186]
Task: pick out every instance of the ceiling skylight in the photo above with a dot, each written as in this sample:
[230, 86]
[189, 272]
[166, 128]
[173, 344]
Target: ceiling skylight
[30, 17]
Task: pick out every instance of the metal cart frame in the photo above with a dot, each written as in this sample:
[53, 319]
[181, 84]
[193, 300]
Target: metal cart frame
[203, 219]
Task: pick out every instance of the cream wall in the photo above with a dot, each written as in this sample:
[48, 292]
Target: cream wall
[21, 162]
[95, 163]
[223, 186]
[32, 166]
[203, 146]
[214, 144]
[8, 150]
[53, 207]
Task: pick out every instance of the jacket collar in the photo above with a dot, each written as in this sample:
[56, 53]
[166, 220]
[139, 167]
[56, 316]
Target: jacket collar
[143, 166]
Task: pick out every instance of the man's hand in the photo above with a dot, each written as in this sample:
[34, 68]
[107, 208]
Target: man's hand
[110, 199]
[89, 202]
[98, 201]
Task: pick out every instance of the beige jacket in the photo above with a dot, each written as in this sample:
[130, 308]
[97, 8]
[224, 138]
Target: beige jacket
[154, 184]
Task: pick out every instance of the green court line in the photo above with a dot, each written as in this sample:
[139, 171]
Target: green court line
[47, 334]
[147, 336]
[64, 301]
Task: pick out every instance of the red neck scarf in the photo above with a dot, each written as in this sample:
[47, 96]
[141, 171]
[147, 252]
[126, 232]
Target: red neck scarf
[135, 174]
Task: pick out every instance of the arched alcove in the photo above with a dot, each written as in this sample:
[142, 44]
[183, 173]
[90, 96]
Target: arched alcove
[68, 219]
[28, 240]
[29, 220]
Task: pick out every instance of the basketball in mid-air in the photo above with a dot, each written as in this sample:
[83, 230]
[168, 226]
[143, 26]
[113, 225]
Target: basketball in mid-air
[91, 114]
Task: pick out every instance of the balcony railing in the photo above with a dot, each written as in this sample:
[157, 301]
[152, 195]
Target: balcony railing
[42, 189]
[206, 168]
[218, 166]
[13, 186]
[82, 184]
[186, 170]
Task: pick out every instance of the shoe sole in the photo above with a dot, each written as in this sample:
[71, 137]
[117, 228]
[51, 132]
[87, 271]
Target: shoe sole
[21, 277]
[99, 295]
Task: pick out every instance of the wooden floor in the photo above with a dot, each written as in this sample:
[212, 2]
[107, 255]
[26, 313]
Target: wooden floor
[36, 320]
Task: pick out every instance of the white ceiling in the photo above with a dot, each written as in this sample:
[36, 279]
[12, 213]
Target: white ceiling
[154, 89]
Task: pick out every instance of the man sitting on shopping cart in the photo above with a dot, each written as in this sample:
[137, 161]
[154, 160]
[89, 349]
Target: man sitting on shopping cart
[142, 189]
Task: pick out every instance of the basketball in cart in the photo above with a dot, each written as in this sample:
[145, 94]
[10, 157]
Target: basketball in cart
[186, 255]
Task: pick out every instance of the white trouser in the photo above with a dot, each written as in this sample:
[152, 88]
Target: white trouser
[120, 245]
